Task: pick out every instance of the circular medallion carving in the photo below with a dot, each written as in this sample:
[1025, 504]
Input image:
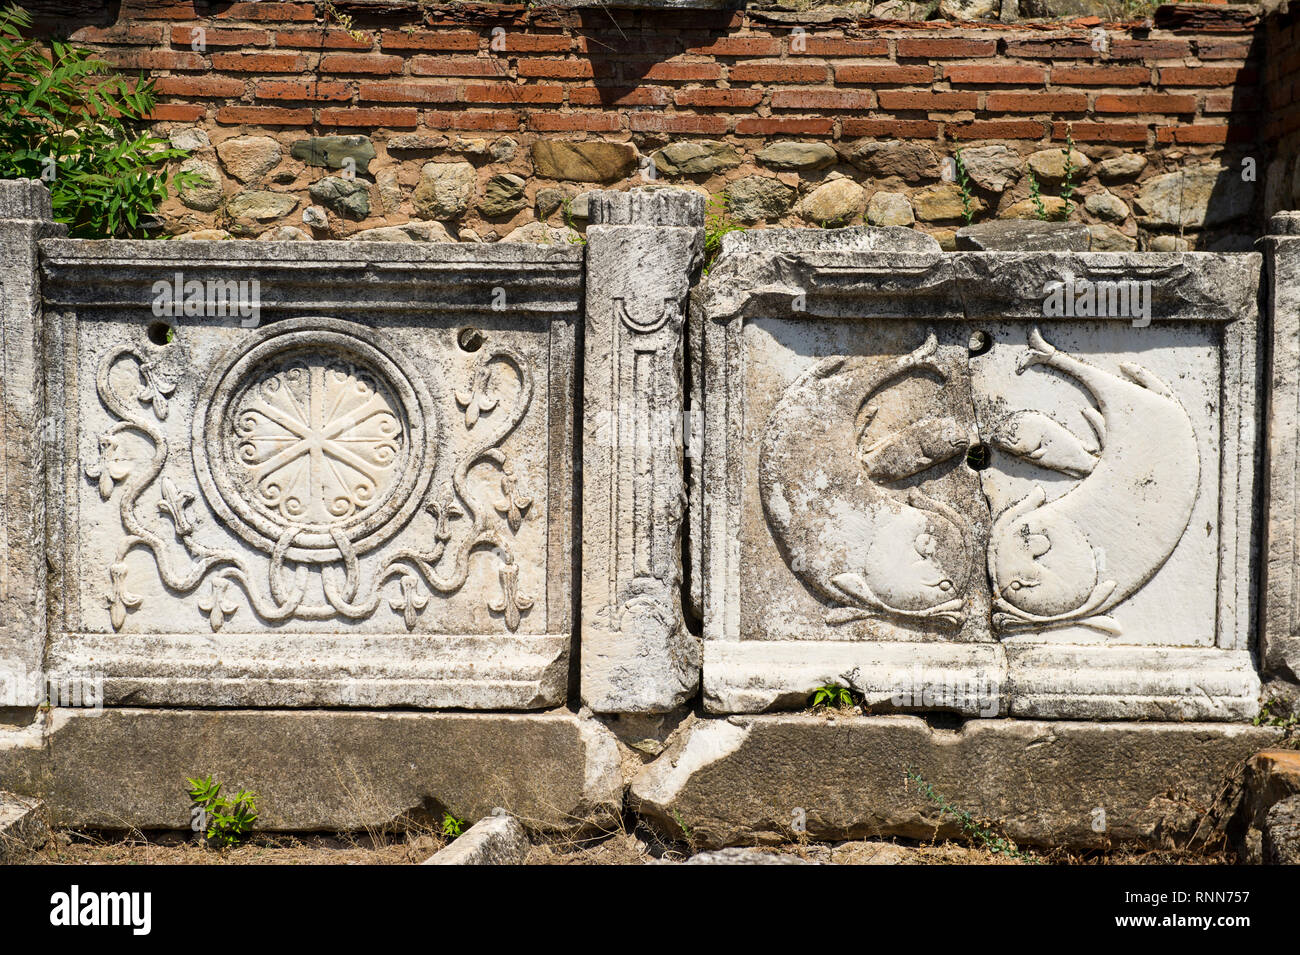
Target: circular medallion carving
[313, 441]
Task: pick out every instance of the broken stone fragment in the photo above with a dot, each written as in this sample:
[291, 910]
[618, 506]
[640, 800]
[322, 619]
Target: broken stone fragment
[498, 839]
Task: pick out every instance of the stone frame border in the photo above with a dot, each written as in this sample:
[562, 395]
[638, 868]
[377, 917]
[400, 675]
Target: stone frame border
[884, 274]
[506, 671]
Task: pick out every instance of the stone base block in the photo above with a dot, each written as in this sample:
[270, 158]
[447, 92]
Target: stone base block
[1056, 681]
[314, 770]
[759, 779]
[756, 675]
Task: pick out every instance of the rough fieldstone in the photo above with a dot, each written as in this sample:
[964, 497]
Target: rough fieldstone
[899, 10]
[910, 161]
[1104, 238]
[503, 150]
[788, 155]
[1168, 243]
[408, 232]
[1049, 165]
[498, 839]
[1199, 196]
[549, 201]
[759, 197]
[206, 235]
[889, 208]
[943, 201]
[189, 138]
[1106, 205]
[1023, 236]
[331, 152]
[1053, 208]
[261, 206]
[959, 10]
[543, 234]
[1121, 167]
[204, 195]
[991, 167]
[285, 233]
[742, 780]
[695, 157]
[350, 198]
[249, 158]
[583, 162]
[318, 770]
[390, 191]
[416, 142]
[1281, 833]
[503, 195]
[315, 217]
[834, 202]
[445, 190]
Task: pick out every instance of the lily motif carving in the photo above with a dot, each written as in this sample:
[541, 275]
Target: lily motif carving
[512, 602]
[514, 506]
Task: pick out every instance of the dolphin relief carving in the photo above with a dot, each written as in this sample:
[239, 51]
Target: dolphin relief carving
[1068, 561]
[870, 550]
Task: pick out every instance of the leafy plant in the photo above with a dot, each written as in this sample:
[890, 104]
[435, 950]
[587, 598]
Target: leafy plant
[228, 821]
[981, 833]
[66, 121]
[1067, 185]
[963, 184]
[567, 210]
[717, 223]
[451, 826]
[832, 696]
[1035, 196]
[1274, 712]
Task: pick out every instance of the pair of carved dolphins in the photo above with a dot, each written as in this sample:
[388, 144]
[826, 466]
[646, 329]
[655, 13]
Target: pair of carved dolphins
[874, 551]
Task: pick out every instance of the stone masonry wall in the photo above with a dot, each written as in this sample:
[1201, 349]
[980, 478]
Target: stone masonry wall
[477, 122]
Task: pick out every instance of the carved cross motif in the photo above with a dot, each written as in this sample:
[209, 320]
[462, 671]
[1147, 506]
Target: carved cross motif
[319, 442]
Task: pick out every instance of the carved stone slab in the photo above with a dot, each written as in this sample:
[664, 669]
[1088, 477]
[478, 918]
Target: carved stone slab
[637, 655]
[930, 478]
[25, 219]
[363, 499]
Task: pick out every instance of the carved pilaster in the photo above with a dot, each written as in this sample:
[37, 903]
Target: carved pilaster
[25, 218]
[637, 655]
[1280, 619]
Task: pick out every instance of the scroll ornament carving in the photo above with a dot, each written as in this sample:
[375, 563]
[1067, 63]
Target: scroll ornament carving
[871, 550]
[315, 447]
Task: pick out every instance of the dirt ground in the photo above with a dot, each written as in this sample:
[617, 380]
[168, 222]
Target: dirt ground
[619, 848]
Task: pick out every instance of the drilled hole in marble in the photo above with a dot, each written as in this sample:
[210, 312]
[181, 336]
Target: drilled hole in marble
[978, 457]
[979, 343]
[470, 339]
[160, 333]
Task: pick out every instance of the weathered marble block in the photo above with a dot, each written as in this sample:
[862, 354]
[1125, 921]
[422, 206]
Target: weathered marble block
[359, 493]
[987, 482]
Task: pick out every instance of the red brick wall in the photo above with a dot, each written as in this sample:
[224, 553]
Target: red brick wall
[649, 78]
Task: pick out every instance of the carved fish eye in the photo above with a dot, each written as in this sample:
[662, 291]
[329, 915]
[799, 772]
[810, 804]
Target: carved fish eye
[945, 585]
